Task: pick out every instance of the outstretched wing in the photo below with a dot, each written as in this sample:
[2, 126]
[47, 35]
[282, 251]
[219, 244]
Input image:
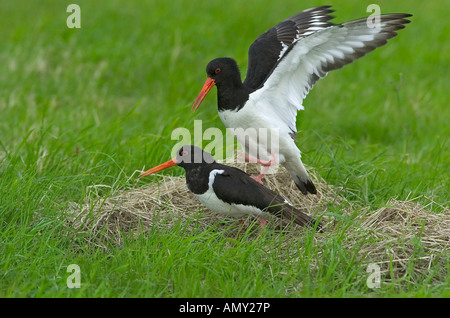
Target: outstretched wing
[270, 46]
[312, 57]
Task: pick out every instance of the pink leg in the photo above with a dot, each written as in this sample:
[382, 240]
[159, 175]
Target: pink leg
[260, 176]
[262, 222]
[265, 167]
[248, 158]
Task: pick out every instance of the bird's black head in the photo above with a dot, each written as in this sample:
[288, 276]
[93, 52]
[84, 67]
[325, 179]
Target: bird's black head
[188, 156]
[224, 70]
[224, 73]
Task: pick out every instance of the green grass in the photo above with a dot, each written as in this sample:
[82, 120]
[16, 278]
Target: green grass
[90, 106]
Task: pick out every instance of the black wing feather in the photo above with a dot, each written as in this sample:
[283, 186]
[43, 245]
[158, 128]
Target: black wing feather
[234, 185]
[265, 51]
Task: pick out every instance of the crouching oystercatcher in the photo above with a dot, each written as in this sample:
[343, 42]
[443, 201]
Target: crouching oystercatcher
[283, 65]
[229, 190]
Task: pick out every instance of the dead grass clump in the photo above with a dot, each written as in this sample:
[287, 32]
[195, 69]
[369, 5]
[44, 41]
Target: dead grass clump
[405, 231]
[390, 236]
[168, 201]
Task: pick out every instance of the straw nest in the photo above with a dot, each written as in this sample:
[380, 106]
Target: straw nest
[417, 228]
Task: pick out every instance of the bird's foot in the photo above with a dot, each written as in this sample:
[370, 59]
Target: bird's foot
[243, 228]
[267, 163]
[258, 178]
[263, 223]
[243, 157]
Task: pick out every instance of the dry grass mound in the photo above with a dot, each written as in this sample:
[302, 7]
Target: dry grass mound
[168, 201]
[391, 235]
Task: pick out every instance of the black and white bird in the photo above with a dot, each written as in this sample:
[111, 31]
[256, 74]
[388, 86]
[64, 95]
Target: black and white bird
[283, 65]
[229, 190]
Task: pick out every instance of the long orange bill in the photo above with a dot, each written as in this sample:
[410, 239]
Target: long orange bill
[162, 166]
[206, 88]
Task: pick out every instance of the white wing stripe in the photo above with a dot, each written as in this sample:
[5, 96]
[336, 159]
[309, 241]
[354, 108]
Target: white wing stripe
[354, 44]
[346, 49]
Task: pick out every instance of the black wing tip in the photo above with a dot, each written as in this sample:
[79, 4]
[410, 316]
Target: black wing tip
[325, 10]
[397, 17]
[395, 21]
[305, 186]
[321, 8]
[322, 11]
[391, 19]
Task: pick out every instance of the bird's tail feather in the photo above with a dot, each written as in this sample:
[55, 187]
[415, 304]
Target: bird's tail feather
[300, 176]
[299, 217]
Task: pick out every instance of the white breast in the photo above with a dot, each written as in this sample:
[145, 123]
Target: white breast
[262, 130]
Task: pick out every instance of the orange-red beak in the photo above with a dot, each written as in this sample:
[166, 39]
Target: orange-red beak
[206, 88]
[162, 166]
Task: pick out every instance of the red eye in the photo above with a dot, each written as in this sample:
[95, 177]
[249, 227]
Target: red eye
[217, 71]
[182, 152]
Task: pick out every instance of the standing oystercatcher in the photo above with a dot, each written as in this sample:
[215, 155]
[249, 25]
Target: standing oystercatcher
[229, 190]
[283, 65]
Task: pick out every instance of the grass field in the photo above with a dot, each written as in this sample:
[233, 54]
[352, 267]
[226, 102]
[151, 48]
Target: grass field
[88, 107]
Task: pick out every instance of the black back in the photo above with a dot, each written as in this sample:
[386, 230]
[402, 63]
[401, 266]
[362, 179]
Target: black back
[236, 186]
